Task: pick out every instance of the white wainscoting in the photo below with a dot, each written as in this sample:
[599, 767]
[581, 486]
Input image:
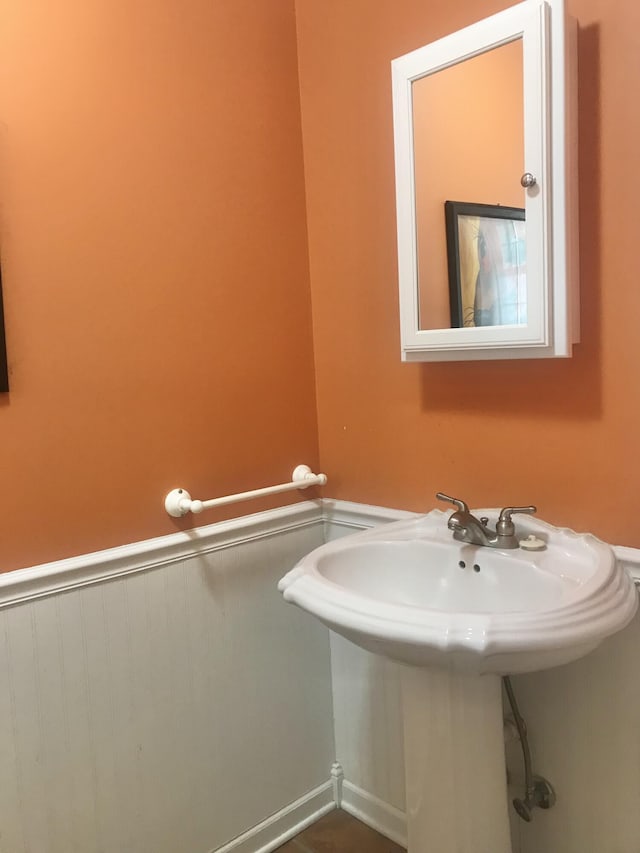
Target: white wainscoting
[583, 719]
[163, 698]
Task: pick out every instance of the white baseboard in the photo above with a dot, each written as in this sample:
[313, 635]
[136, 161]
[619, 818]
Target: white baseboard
[384, 818]
[296, 817]
[283, 825]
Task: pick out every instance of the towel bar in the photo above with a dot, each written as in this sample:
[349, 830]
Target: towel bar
[178, 502]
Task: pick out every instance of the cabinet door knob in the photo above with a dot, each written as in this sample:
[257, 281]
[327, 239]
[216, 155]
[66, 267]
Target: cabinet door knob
[528, 180]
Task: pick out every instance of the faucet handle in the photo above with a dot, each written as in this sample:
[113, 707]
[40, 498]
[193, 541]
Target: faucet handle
[460, 505]
[505, 526]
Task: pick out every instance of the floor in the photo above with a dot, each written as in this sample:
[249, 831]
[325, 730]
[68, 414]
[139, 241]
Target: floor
[338, 832]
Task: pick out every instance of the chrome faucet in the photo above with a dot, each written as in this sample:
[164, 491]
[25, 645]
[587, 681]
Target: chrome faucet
[475, 531]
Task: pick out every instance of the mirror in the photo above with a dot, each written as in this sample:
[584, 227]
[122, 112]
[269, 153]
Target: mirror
[468, 144]
[486, 247]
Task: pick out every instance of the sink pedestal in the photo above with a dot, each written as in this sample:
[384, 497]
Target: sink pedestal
[454, 762]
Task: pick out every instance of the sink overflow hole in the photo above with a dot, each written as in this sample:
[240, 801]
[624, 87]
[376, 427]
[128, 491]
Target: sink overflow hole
[476, 567]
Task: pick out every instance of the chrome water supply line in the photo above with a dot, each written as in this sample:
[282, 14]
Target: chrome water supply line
[538, 791]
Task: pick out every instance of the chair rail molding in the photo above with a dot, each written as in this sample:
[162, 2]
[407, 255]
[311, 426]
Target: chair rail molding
[73, 572]
[50, 578]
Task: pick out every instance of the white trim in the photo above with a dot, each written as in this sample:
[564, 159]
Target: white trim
[360, 516]
[50, 578]
[383, 817]
[337, 778]
[284, 824]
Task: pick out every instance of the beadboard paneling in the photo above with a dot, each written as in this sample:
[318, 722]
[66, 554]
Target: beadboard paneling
[167, 710]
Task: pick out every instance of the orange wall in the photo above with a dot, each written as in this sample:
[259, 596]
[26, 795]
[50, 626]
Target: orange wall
[155, 270]
[562, 434]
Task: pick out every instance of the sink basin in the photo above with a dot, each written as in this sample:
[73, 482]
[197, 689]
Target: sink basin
[410, 592]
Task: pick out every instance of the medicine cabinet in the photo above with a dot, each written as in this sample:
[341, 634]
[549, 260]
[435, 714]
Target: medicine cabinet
[486, 187]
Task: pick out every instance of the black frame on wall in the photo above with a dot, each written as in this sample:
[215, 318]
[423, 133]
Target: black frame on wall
[4, 371]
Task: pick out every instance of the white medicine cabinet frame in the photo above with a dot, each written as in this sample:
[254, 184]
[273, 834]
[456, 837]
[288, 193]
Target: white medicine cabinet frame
[549, 51]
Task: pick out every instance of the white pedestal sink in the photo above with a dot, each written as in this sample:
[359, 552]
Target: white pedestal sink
[459, 617]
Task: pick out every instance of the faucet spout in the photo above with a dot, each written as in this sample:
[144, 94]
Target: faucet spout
[467, 528]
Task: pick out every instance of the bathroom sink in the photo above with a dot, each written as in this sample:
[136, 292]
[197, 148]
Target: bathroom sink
[410, 592]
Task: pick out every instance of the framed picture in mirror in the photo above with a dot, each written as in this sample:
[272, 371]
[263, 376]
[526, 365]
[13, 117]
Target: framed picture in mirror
[487, 264]
[4, 371]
